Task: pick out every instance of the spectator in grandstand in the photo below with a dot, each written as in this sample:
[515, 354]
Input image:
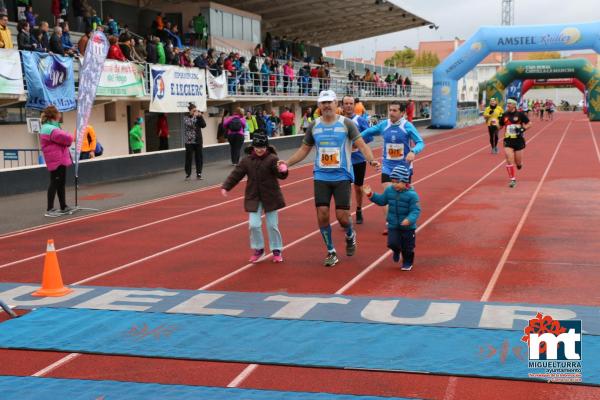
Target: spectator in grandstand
[83, 41]
[55, 10]
[193, 123]
[113, 26]
[173, 34]
[96, 21]
[160, 51]
[136, 136]
[55, 144]
[307, 118]
[56, 46]
[407, 86]
[114, 51]
[170, 54]
[288, 120]
[162, 130]
[66, 39]
[31, 17]
[201, 61]
[410, 110]
[288, 77]
[259, 51]
[45, 36]
[234, 129]
[79, 12]
[275, 122]
[265, 72]
[158, 27]
[88, 145]
[5, 35]
[254, 75]
[185, 58]
[262, 193]
[274, 77]
[140, 49]
[36, 39]
[399, 86]
[151, 52]
[135, 56]
[24, 40]
[352, 76]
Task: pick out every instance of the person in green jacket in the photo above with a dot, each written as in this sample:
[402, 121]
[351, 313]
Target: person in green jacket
[136, 141]
[160, 51]
[251, 123]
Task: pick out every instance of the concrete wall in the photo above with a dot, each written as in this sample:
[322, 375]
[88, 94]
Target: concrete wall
[105, 169]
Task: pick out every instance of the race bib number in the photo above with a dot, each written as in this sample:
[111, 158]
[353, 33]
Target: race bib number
[512, 131]
[329, 157]
[395, 151]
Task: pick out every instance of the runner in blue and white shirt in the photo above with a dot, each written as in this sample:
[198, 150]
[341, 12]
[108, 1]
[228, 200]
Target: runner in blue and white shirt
[333, 136]
[359, 163]
[401, 142]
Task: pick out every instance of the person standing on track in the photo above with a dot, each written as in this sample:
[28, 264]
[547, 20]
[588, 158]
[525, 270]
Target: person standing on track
[333, 136]
[492, 115]
[515, 123]
[402, 217]
[398, 135]
[262, 193]
[359, 163]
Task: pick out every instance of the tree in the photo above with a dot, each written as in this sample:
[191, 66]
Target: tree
[544, 55]
[426, 59]
[404, 58]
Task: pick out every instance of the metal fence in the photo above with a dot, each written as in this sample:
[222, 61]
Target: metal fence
[468, 116]
[20, 157]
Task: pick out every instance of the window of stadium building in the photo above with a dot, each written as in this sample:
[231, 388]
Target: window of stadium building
[233, 26]
[11, 115]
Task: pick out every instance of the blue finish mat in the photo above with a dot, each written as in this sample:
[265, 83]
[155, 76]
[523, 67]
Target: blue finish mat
[28, 388]
[449, 351]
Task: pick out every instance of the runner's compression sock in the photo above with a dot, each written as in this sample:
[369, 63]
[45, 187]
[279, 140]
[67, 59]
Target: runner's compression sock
[326, 233]
[511, 171]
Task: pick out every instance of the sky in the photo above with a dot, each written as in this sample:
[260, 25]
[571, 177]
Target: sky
[462, 18]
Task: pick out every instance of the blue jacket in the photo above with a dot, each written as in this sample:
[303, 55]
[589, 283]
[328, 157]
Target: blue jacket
[402, 204]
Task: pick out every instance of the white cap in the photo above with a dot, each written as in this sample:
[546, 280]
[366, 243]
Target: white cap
[327, 95]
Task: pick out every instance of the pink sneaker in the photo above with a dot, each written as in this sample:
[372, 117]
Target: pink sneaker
[277, 257]
[256, 255]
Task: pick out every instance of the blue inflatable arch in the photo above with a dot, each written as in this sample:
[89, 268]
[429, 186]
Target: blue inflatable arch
[502, 39]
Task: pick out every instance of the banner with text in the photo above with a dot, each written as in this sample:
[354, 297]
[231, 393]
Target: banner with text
[11, 77]
[50, 81]
[217, 86]
[121, 79]
[173, 88]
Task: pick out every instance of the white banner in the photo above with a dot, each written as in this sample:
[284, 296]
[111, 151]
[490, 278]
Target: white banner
[217, 87]
[173, 88]
[121, 79]
[11, 77]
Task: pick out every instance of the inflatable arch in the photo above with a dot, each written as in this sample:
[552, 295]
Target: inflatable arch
[532, 83]
[571, 68]
[504, 39]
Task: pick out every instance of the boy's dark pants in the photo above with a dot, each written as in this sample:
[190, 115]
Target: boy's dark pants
[403, 241]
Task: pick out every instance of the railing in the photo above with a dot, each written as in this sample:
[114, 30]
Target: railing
[277, 84]
[21, 157]
[257, 84]
[468, 116]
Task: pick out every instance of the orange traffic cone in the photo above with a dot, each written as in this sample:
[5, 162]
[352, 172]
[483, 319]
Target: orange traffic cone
[52, 284]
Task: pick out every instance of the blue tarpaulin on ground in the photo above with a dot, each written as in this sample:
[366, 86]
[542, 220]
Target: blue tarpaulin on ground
[451, 351]
[26, 388]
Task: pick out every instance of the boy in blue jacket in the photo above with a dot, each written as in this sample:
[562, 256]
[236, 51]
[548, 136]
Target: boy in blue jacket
[403, 212]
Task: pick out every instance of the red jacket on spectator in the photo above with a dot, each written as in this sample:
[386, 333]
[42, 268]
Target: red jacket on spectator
[228, 65]
[184, 61]
[55, 8]
[115, 53]
[410, 111]
[162, 126]
[287, 118]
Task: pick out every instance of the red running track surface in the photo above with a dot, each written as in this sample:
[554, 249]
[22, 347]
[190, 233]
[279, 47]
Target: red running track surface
[478, 240]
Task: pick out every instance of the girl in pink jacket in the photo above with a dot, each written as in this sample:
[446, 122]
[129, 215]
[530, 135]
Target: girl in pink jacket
[55, 146]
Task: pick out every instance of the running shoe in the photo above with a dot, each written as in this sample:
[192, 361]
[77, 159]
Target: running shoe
[406, 267]
[277, 257]
[199, 177]
[331, 260]
[351, 245]
[53, 213]
[396, 256]
[256, 255]
[359, 217]
[66, 211]
[512, 183]
[187, 177]
[385, 232]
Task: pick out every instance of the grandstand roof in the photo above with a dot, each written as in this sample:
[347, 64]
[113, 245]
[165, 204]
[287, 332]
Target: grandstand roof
[331, 22]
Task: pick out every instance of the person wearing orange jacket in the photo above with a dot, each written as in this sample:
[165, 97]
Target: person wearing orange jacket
[88, 144]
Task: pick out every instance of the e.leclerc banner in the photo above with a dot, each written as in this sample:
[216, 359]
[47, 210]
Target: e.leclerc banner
[89, 76]
[121, 79]
[50, 81]
[173, 88]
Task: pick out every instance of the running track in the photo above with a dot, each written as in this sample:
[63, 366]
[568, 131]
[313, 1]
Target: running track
[478, 240]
